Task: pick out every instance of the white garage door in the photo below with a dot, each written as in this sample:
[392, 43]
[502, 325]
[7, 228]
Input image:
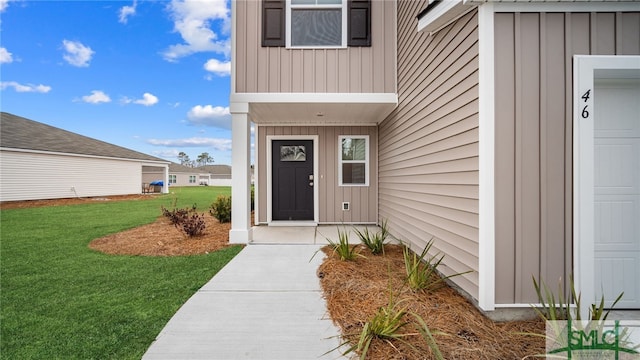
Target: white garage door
[617, 190]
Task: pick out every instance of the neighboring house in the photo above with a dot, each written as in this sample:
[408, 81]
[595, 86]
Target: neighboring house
[216, 175]
[38, 161]
[507, 131]
[180, 175]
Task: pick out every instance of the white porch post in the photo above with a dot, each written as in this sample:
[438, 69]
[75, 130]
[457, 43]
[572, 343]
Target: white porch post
[240, 174]
[165, 187]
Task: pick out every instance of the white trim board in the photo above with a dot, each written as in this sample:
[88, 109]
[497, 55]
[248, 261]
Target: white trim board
[336, 98]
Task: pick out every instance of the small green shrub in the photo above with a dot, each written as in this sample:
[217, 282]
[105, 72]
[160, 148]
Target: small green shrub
[221, 208]
[553, 309]
[422, 271]
[374, 241]
[342, 247]
[386, 324]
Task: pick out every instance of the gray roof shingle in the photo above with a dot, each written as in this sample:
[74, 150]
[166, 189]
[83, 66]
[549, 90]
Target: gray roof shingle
[20, 133]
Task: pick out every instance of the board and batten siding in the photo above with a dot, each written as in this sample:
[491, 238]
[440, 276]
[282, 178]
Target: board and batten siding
[362, 199]
[533, 122]
[32, 176]
[428, 147]
[281, 70]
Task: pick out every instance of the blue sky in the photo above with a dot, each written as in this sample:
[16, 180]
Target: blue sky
[152, 76]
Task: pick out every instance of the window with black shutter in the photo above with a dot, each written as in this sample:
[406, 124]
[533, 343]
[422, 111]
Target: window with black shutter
[316, 23]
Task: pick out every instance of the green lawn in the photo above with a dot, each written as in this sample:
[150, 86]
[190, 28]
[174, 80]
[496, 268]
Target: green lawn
[59, 299]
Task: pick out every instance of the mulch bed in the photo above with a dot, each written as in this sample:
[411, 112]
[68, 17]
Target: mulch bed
[355, 290]
[163, 239]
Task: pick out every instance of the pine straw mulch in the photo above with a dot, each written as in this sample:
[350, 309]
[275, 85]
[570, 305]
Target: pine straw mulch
[355, 290]
[161, 238]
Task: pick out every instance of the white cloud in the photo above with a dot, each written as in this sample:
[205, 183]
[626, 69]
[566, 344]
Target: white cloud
[77, 54]
[3, 5]
[127, 11]
[221, 68]
[147, 100]
[96, 97]
[193, 20]
[25, 88]
[5, 56]
[215, 143]
[170, 153]
[208, 115]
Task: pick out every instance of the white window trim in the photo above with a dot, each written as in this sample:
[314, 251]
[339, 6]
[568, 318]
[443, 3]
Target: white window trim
[288, 24]
[366, 159]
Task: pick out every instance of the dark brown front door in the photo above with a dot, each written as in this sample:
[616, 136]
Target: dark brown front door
[292, 185]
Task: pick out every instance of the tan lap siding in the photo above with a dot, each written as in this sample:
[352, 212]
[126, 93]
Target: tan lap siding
[429, 144]
[533, 63]
[348, 70]
[363, 199]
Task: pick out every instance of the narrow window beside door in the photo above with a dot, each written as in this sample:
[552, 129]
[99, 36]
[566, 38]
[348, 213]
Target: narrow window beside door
[353, 161]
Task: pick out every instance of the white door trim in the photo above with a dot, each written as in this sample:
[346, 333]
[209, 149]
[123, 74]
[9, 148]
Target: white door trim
[316, 154]
[584, 72]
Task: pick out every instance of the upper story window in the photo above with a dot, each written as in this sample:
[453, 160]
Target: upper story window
[316, 23]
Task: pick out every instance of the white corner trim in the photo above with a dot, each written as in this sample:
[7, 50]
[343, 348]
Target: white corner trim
[233, 45]
[486, 243]
[337, 98]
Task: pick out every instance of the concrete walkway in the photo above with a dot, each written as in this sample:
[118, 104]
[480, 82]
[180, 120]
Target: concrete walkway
[264, 304]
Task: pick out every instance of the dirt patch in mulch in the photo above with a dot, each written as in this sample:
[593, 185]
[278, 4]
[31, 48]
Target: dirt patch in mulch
[355, 290]
[161, 238]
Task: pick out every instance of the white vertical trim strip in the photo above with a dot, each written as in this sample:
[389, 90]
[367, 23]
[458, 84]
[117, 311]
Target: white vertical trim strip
[486, 251]
[234, 7]
[256, 174]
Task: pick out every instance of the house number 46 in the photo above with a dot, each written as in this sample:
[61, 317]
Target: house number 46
[585, 109]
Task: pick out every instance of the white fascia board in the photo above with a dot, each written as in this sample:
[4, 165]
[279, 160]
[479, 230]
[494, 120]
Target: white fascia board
[441, 14]
[566, 6]
[335, 98]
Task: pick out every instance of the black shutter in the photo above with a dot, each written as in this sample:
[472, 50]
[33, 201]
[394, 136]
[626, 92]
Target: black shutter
[273, 22]
[359, 23]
